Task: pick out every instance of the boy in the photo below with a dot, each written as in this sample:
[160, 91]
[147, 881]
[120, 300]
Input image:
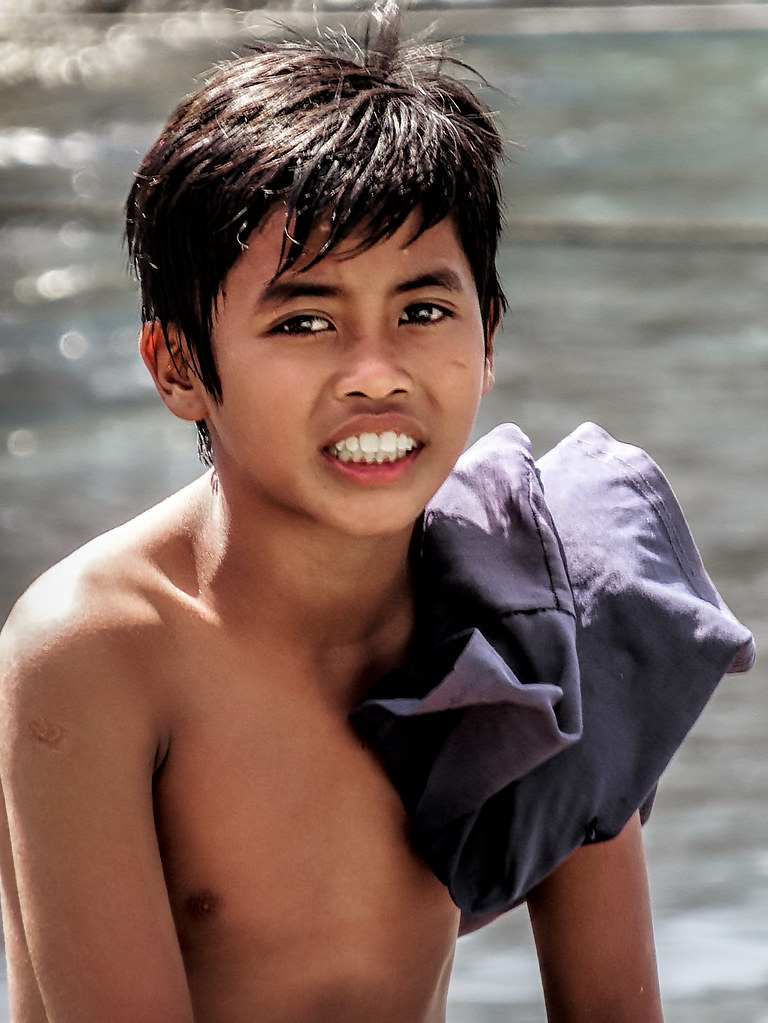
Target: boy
[195, 828]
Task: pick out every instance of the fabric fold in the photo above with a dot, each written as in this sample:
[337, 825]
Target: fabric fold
[564, 647]
[471, 713]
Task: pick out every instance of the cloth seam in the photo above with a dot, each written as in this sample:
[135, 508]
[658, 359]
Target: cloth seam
[529, 468]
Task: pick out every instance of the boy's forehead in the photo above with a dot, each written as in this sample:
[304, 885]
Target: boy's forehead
[268, 243]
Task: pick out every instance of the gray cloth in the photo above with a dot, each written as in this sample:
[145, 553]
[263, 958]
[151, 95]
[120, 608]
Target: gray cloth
[564, 647]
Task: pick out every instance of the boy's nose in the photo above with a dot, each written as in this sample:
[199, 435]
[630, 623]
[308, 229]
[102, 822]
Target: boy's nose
[373, 369]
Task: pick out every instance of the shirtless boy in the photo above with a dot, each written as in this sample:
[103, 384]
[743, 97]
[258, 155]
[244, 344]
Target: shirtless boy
[195, 831]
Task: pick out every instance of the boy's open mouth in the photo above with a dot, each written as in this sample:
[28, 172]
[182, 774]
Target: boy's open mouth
[373, 447]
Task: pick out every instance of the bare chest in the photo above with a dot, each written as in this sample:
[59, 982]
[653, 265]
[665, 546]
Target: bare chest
[284, 844]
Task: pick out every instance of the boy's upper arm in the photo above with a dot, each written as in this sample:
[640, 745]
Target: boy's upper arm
[594, 936]
[78, 742]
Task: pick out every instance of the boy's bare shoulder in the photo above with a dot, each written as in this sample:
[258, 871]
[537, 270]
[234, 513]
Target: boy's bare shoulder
[89, 620]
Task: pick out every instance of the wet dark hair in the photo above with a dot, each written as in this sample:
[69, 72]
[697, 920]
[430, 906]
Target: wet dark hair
[356, 135]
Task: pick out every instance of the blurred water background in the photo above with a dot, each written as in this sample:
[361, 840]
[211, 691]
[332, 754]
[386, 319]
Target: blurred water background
[636, 264]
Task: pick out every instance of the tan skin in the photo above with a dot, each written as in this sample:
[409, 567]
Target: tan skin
[194, 830]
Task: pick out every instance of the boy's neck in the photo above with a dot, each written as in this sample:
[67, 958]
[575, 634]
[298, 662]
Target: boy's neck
[307, 584]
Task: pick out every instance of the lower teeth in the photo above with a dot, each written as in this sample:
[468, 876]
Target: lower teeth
[370, 458]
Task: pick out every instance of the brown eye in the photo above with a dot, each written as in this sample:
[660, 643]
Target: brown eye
[423, 313]
[304, 325]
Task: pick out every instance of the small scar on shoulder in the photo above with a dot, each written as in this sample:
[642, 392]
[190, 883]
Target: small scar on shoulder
[47, 733]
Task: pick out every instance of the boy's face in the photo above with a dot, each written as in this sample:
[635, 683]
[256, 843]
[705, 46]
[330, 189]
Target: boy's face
[349, 388]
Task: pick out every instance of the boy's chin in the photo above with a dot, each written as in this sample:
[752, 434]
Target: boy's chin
[379, 524]
[383, 530]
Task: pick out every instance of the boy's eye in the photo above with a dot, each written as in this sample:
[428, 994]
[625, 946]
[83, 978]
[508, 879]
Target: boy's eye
[423, 312]
[305, 324]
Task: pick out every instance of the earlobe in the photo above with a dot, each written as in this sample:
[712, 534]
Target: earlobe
[491, 326]
[488, 378]
[177, 384]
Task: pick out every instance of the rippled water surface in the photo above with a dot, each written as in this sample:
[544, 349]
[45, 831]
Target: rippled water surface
[636, 266]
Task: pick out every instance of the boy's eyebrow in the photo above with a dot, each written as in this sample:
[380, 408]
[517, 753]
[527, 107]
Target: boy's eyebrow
[443, 277]
[282, 289]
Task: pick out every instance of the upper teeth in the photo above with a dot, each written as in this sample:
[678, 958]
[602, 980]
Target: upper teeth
[373, 447]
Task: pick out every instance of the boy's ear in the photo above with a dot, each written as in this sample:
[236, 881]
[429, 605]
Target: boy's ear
[490, 334]
[176, 382]
[488, 378]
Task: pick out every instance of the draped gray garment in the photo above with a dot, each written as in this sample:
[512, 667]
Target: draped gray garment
[567, 638]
